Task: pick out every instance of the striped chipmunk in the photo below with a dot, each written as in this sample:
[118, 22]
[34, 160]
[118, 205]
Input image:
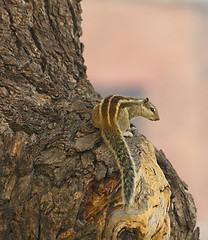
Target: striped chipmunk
[112, 116]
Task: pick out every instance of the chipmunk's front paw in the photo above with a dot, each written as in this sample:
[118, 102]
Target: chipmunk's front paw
[127, 134]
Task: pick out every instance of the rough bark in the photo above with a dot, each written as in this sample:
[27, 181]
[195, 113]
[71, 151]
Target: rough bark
[57, 178]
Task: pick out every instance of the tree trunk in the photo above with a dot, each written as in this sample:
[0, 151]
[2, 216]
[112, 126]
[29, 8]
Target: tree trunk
[58, 180]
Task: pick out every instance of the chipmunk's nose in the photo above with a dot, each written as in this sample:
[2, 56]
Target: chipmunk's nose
[157, 117]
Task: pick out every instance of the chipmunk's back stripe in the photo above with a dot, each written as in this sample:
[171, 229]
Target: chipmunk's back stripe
[128, 104]
[110, 107]
[118, 101]
[105, 109]
[114, 107]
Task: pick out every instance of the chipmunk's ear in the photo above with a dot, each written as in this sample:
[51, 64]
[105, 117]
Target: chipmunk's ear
[146, 100]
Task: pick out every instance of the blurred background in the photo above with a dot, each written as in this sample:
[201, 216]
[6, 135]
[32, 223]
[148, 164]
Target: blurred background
[158, 49]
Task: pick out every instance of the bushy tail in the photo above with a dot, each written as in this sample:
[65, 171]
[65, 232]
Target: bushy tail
[118, 146]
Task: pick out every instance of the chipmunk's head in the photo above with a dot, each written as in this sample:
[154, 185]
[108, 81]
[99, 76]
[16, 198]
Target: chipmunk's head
[149, 111]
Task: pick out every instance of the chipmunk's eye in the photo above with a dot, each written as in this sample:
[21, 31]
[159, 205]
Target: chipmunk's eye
[152, 109]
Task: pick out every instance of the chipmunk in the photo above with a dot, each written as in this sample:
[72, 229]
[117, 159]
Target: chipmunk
[112, 116]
